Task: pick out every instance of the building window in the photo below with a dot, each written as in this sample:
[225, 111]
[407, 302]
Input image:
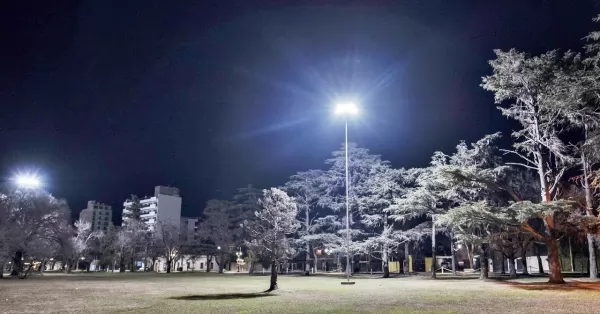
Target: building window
[201, 265]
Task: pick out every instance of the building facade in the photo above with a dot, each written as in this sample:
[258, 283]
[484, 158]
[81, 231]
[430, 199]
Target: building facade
[189, 229]
[164, 208]
[98, 215]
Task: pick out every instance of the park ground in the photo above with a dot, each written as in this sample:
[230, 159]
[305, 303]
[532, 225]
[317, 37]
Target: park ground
[237, 293]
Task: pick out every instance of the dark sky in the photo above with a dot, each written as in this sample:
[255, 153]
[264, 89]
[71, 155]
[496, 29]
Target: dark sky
[107, 98]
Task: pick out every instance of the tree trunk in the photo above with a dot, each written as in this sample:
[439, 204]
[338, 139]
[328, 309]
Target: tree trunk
[592, 254]
[221, 264]
[339, 263]
[589, 212]
[453, 252]
[512, 267]
[169, 262]
[554, 271]
[470, 253]
[483, 260]
[386, 261]
[502, 266]
[524, 261]
[307, 258]
[406, 257]
[17, 263]
[273, 285]
[433, 256]
[539, 258]
[316, 263]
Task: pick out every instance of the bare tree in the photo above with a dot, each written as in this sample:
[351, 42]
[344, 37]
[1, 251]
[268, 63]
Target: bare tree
[220, 227]
[169, 241]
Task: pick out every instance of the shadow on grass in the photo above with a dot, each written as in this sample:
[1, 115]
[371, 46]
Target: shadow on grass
[456, 277]
[569, 286]
[221, 296]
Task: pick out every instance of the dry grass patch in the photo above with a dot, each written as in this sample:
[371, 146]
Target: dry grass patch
[236, 293]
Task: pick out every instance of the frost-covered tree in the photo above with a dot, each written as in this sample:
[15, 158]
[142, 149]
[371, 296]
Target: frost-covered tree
[84, 236]
[529, 84]
[221, 227]
[107, 247]
[376, 201]
[576, 98]
[29, 217]
[271, 231]
[423, 198]
[306, 189]
[360, 165]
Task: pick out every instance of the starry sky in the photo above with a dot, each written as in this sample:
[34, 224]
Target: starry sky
[109, 98]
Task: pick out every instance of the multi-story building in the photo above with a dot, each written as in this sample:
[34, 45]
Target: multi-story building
[98, 215]
[164, 208]
[189, 229]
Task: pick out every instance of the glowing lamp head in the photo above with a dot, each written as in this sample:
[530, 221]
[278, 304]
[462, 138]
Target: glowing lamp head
[346, 109]
[28, 181]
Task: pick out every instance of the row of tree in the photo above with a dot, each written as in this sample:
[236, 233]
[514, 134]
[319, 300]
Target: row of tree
[536, 192]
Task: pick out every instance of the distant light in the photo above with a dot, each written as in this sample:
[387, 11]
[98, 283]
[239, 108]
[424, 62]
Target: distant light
[28, 181]
[218, 247]
[459, 246]
[346, 109]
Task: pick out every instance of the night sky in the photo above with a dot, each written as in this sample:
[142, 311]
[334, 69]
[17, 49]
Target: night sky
[108, 98]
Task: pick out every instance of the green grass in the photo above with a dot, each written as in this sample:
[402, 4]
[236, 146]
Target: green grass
[235, 293]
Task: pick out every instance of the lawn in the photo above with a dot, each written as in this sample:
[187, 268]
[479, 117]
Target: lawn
[235, 293]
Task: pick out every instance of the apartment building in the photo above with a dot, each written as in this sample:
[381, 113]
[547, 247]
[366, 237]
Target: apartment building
[164, 208]
[98, 215]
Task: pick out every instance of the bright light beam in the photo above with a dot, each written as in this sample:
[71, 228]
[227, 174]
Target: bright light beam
[28, 181]
[346, 109]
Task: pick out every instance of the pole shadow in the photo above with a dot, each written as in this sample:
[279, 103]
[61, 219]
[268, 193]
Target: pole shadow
[221, 296]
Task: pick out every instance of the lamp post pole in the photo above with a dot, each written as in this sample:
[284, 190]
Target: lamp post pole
[347, 110]
[348, 265]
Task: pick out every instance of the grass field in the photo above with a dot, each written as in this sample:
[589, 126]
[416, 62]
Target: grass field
[234, 293]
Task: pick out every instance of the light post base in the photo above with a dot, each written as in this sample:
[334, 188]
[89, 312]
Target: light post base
[348, 282]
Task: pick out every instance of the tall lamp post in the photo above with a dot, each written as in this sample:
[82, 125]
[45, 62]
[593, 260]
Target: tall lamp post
[347, 110]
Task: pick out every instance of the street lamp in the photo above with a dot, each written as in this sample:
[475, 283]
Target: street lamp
[30, 181]
[347, 110]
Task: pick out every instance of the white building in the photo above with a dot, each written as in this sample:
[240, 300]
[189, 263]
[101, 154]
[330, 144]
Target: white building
[98, 215]
[164, 208]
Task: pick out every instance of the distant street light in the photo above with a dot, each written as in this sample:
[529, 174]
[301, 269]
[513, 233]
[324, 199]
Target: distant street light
[218, 247]
[347, 110]
[30, 181]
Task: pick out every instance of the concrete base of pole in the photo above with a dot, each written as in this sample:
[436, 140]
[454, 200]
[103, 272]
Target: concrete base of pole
[348, 282]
